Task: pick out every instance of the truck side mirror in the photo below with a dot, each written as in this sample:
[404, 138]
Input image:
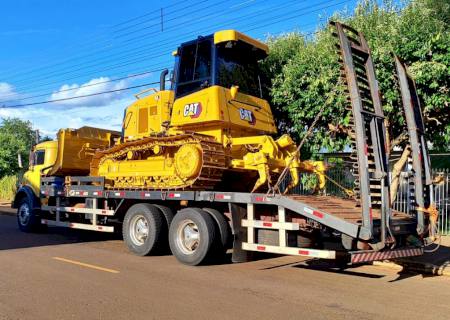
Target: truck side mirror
[31, 160]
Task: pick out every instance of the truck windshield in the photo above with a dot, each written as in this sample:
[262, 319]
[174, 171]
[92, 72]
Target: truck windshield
[37, 157]
[195, 67]
[237, 65]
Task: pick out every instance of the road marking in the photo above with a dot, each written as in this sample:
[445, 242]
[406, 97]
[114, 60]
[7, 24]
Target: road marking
[86, 265]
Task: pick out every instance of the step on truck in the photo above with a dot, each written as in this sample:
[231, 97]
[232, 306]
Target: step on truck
[167, 191]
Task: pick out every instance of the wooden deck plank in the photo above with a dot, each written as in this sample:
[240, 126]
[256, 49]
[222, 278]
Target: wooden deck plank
[346, 209]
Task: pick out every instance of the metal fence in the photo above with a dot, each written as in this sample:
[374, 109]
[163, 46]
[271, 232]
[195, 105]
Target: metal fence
[342, 178]
[441, 197]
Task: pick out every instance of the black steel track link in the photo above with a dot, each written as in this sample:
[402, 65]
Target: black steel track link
[213, 158]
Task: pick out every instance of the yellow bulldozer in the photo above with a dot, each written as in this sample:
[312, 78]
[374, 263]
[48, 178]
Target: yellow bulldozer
[211, 130]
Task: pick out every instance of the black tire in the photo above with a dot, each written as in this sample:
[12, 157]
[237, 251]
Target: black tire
[168, 217]
[193, 218]
[133, 235]
[294, 239]
[223, 229]
[28, 218]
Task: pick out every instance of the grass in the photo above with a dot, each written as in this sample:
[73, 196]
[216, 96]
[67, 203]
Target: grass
[8, 187]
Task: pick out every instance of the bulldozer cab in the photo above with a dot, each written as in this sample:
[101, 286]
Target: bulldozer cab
[218, 86]
[217, 90]
[226, 58]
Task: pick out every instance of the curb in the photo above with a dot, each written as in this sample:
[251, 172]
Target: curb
[419, 267]
[5, 210]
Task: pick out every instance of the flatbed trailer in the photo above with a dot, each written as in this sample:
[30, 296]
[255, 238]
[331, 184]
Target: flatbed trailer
[84, 203]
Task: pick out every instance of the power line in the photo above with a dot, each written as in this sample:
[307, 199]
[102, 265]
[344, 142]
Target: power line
[81, 96]
[134, 61]
[172, 19]
[128, 88]
[146, 14]
[158, 16]
[83, 64]
[92, 65]
[144, 57]
[90, 85]
[283, 19]
[105, 50]
[96, 43]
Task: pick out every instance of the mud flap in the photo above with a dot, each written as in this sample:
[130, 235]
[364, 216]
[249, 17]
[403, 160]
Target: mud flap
[239, 234]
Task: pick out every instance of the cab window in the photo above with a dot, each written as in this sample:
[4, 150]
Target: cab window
[195, 68]
[237, 65]
[39, 157]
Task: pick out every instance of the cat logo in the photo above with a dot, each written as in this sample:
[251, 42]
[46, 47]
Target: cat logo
[248, 116]
[192, 110]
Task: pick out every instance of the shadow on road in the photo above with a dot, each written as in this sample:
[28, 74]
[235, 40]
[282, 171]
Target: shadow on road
[12, 238]
[333, 267]
[431, 264]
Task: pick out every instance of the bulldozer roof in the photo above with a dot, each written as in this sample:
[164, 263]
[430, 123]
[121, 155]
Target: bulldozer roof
[233, 35]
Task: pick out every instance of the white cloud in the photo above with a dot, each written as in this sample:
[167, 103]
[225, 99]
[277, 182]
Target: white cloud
[50, 118]
[7, 93]
[92, 87]
[101, 111]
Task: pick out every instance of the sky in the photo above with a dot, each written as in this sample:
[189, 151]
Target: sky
[56, 50]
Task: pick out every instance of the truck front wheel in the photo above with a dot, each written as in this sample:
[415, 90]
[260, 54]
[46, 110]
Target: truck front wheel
[27, 219]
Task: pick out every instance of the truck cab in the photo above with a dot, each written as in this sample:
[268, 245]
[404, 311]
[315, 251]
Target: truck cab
[69, 154]
[27, 199]
[42, 158]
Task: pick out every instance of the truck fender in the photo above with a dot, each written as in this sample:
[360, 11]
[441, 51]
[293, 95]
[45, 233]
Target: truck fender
[26, 191]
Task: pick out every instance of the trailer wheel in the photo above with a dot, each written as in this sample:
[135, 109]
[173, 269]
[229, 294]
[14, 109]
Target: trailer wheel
[168, 217]
[27, 219]
[192, 235]
[224, 231]
[141, 229]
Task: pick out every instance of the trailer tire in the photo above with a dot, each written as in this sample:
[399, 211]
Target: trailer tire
[142, 229]
[192, 235]
[224, 230]
[27, 217]
[168, 217]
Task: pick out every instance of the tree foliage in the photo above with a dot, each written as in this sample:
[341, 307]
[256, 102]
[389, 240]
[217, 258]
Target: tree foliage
[16, 137]
[305, 71]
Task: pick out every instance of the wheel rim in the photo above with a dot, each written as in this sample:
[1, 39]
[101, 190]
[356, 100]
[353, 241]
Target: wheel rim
[188, 237]
[24, 214]
[139, 230]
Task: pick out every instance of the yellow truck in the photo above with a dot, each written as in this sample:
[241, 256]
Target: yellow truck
[196, 168]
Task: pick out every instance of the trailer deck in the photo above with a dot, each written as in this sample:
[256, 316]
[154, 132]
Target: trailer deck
[341, 215]
[348, 209]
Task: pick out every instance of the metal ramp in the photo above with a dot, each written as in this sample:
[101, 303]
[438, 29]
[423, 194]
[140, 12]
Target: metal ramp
[367, 129]
[421, 190]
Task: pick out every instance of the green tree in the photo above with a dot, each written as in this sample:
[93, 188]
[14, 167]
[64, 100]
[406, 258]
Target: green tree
[16, 137]
[305, 71]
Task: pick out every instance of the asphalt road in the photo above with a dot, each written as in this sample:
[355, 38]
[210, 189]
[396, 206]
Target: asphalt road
[68, 274]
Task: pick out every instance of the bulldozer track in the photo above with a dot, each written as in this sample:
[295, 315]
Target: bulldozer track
[214, 163]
